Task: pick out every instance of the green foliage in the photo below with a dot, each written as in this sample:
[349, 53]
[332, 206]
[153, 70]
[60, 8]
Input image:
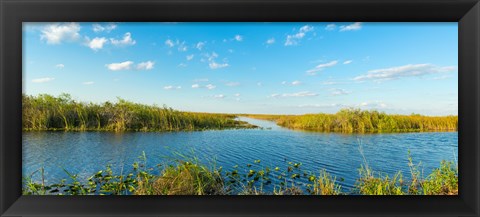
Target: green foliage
[46, 112]
[360, 121]
[442, 181]
[189, 177]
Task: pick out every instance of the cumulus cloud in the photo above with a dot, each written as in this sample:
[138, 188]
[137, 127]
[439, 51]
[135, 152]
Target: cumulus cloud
[321, 67]
[338, 91]
[330, 27]
[96, 43]
[212, 61]
[145, 65]
[58, 32]
[182, 47]
[170, 87]
[298, 94]
[351, 27]
[295, 38]
[210, 86]
[219, 96]
[237, 95]
[125, 41]
[120, 66]
[101, 28]
[88, 83]
[347, 62]
[410, 70]
[270, 41]
[60, 66]
[42, 80]
[189, 57]
[200, 45]
[238, 38]
[214, 65]
[169, 43]
[293, 83]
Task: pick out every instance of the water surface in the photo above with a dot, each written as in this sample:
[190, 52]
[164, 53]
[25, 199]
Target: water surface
[84, 153]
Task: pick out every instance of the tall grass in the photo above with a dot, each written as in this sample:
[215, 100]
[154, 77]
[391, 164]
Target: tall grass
[362, 121]
[46, 112]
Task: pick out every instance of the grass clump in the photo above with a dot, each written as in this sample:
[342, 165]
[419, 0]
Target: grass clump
[46, 112]
[363, 121]
[442, 181]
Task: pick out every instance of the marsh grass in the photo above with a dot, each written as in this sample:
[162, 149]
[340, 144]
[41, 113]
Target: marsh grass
[46, 112]
[362, 121]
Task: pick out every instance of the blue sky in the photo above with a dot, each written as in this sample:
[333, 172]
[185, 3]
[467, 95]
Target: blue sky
[275, 68]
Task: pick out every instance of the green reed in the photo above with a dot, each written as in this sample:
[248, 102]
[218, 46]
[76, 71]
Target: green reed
[46, 112]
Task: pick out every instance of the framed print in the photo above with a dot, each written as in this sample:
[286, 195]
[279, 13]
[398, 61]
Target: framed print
[260, 108]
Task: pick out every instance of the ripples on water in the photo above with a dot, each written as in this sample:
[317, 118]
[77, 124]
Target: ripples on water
[84, 153]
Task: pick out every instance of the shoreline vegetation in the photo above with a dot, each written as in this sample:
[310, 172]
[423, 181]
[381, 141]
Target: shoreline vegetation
[45, 112]
[362, 121]
[189, 177]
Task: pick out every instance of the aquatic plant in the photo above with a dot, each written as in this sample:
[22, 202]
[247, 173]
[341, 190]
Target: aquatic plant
[46, 112]
[187, 176]
[363, 121]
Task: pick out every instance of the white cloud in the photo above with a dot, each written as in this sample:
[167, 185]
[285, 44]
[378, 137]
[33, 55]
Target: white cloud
[42, 80]
[145, 65]
[322, 67]
[60, 66]
[195, 86]
[210, 86]
[107, 28]
[219, 96]
[170, 87]
[295, 38]
[238, 38]
[237, 95]
[189, 57]
[296, 83]
[410, 70]
[298, 94]
[119, 66]
[293, 83]
[200, 45]
[182, 47]
[232, 84]
[347, 62]
[270, 41]
[57, 33]
[330, 27]
[183, 65]
[214, 65]
[351, 27]
[169, 43]
[125, 41]
[88, 83]
[96, 43]
[377, 104]
[337, 92]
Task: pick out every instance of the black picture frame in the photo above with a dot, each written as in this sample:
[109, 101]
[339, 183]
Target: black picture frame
[14, 12]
